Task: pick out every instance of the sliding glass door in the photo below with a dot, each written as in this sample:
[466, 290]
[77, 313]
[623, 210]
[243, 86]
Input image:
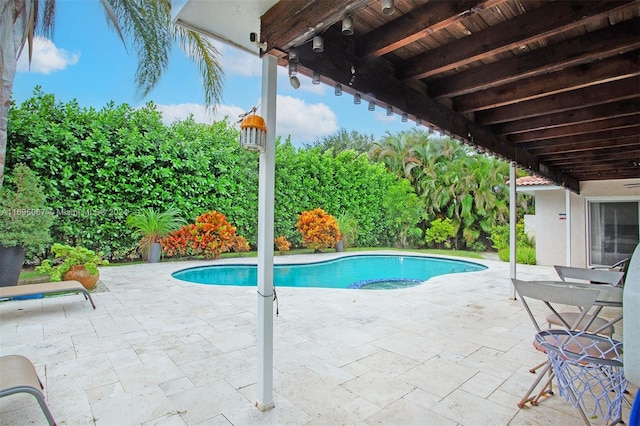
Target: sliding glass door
[614, 230]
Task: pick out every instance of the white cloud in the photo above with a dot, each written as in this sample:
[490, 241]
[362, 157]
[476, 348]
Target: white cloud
[304, 122]
[236, 61]
[46, 57]
[383, 117]
[175, 112]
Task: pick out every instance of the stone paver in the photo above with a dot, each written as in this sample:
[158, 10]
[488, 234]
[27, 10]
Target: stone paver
[158, 351]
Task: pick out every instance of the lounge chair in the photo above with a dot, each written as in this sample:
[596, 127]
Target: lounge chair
[12, 292]
[17, 374]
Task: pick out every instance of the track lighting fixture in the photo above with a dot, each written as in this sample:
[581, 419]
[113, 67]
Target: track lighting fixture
[347, 26]
[318, 44]
[338, 90]
[389, 110]
[293, 55]
[405, 117]
[372, 106]
[357, 99]
[387, 7]
[316, 77]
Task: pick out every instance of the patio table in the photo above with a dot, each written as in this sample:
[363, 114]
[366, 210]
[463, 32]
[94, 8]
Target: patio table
[609, 296]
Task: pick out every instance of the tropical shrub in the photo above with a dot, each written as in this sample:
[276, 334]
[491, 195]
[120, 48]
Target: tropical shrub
[348, 227]
[440, 231]
[25, 219]
[192, 166]
[404, 211]
[307, 178]
[500, 237]
[524, 255]
[319, 229]
[526, 249]
[210, 236]
[282, 244]
[141, 163]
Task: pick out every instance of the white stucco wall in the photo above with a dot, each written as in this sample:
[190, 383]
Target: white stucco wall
[551, 231]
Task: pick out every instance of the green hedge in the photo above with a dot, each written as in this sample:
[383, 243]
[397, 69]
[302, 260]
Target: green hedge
[98, 166]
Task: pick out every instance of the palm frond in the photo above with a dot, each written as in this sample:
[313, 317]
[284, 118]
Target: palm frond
[150, 28]
[205, 55]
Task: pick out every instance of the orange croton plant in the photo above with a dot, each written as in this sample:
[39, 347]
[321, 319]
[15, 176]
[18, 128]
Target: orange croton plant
[318, 228]
[211, 235]
[282, 244]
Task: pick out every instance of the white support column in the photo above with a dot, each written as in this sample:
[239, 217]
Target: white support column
[512, 223]
[567, 231]
[264, 400]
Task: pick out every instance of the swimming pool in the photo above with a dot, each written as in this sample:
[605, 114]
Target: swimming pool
[361, 271]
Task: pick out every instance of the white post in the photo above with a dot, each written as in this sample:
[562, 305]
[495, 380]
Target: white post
[264, 400]
[512, 223]
[567, 209]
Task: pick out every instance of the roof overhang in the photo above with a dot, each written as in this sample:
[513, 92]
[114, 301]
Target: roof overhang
[229, 21]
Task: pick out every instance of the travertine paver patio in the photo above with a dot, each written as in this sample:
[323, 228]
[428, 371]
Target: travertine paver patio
[158, 351]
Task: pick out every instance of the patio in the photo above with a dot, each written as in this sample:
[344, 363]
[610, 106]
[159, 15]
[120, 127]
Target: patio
[158, 351]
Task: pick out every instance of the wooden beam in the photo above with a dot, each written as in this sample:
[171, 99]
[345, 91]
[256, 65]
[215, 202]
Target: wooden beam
[576, 129]
[594, 137]
[610, 69]
[293, 22]
[592, 159]
[377, 85]
[603, 93]
[578, 116]
[535, 26]
[597, 45]
[563, 148]
[418, 23]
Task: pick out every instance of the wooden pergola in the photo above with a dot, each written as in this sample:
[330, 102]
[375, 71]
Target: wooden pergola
[552, 85]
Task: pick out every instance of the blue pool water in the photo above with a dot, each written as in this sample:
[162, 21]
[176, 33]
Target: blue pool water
[363, 271]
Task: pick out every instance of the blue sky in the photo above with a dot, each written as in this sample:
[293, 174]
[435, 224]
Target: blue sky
[85, 60]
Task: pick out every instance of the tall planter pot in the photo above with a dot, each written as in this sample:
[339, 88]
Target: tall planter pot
[11, 261]
[154, 253]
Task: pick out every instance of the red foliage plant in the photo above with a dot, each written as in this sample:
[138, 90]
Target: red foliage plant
[318, 228]
[211, 235]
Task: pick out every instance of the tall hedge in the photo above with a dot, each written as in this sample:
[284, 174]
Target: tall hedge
[98, 166]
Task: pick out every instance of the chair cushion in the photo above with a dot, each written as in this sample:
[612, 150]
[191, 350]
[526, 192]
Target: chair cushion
[572, 317]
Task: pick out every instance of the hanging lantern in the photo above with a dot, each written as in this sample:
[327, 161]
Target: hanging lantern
[253, 133]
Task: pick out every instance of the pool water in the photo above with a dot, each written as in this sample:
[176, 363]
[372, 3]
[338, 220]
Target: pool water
[362, 271]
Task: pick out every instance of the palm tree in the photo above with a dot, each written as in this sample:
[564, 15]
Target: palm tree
[147, 23]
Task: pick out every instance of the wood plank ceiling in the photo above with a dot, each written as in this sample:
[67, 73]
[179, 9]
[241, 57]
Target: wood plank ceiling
[552, 85]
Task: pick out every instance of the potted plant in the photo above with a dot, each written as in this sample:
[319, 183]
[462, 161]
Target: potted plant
[151, 226]
[25, 222]
[73, 263]
[348, 227]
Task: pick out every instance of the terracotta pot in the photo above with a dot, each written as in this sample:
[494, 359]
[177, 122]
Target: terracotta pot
[80, 273]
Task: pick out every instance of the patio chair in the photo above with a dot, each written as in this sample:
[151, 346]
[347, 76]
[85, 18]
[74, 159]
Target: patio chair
[589, 371]
[550, 296]
[18, 374]
[594, 276]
